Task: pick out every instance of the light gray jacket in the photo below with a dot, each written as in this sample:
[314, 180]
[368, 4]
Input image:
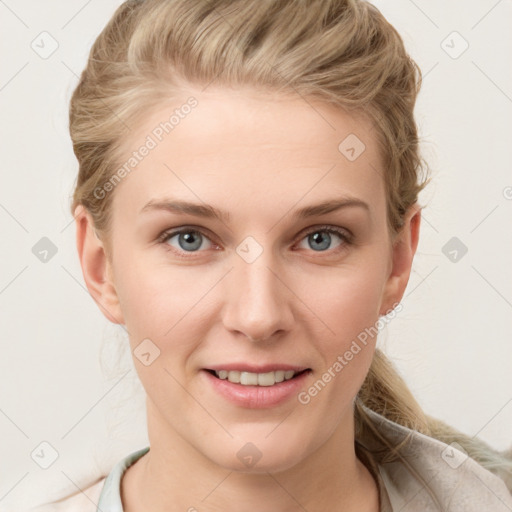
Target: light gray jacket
[457, 482]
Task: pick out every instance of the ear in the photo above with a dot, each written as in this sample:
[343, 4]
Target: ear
[96, 268]
[403, 250]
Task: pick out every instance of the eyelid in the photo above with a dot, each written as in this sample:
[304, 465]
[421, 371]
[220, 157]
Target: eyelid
[168, 233]
[326, 227]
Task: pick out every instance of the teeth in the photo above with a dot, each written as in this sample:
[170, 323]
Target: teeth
[255, 379]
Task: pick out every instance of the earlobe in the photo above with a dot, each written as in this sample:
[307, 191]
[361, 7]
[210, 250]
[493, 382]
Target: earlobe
[96, 267]
[403, 251]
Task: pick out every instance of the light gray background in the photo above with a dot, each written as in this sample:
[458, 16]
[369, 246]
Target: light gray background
[451, 341]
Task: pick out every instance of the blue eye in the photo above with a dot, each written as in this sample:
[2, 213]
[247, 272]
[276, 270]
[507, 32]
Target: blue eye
[320, 239]
[187, 240]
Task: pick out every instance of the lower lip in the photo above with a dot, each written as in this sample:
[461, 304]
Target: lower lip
[257, 397]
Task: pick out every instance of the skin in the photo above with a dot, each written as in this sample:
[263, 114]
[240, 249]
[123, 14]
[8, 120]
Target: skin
[259, 158]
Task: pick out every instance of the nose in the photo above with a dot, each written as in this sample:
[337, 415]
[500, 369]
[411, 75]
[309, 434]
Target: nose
[258, 303]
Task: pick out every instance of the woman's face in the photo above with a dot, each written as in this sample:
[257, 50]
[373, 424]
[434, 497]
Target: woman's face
[271, 281]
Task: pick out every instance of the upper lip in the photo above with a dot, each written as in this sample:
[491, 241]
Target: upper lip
[254, 368]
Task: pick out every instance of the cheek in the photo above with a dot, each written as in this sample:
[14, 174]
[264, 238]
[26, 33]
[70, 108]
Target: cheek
[347, 301]
[158, 308]
[349, 306]
[157, 302]
[356, 306]
[352, 313]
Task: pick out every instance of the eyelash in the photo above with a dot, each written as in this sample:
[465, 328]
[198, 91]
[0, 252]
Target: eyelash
[345, 236]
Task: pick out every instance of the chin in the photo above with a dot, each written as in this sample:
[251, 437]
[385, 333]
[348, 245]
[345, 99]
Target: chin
[259, 457]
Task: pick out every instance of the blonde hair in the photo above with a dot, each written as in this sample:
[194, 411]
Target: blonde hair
[343, 52]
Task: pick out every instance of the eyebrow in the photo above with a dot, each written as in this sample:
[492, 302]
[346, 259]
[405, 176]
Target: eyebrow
[208, 211]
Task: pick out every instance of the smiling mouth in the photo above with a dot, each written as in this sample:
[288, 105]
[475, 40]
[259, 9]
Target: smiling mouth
[257, 379]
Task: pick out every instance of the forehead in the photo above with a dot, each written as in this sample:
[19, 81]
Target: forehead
[233, 145]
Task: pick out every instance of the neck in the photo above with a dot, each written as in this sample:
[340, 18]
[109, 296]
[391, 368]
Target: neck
[174, 476]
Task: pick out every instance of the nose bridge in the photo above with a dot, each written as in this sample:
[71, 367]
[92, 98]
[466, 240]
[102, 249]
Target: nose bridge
[257, 303]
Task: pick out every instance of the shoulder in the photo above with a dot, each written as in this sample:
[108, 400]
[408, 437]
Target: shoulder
[85, 500]
[427, 473]
[102, 495]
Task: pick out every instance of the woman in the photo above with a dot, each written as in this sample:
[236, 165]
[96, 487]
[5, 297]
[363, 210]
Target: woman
[246, 207]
